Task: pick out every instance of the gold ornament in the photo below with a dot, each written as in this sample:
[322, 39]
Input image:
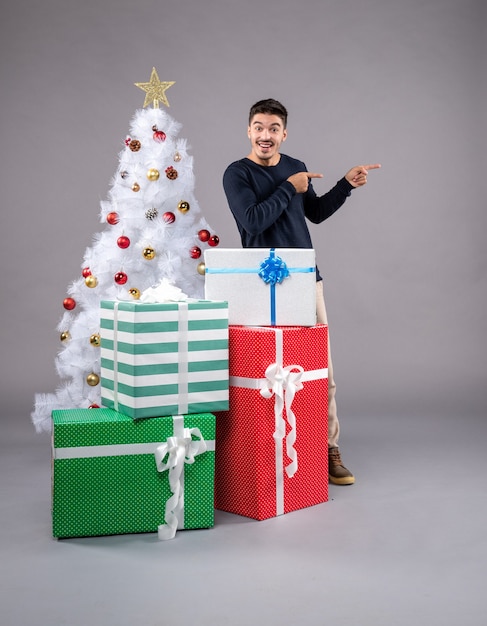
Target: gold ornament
[183, 206]
[92, 379]
[65, 336]
[201, 268]
[155, 90]
[177, 157]
[153, 174]
[91, 281]
[95, 340]
[136, 187]
[135, 293]
[148, 253]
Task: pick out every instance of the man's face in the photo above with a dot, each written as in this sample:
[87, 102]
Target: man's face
[266, 133]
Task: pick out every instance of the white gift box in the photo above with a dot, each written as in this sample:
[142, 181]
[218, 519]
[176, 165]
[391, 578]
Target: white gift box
[263, 286]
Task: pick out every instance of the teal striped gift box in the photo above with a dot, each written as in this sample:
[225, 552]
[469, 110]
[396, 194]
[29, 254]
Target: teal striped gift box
[165, 358]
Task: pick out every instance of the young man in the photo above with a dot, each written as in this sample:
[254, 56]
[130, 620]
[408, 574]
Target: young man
[271, 195]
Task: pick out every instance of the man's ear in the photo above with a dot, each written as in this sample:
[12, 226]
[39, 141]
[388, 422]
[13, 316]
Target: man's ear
[248, 132]
[284, 134]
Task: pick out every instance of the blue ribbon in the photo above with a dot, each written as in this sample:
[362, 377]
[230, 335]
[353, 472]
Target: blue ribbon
[273, 270]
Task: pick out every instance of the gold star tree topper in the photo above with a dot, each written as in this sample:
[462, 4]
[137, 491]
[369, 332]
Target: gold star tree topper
[155, 90]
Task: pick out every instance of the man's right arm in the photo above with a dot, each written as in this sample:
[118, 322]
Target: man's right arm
[301, 180]
[253, 215]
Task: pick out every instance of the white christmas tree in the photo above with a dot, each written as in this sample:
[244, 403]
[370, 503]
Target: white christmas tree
[154, 231]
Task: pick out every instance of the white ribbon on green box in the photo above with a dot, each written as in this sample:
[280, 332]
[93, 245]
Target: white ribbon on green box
[283, 383]
[179, 449]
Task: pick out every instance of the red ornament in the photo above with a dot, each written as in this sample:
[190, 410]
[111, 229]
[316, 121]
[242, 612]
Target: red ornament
[120, 278]
[69, 304]
[94, 406]
[112, 218]
[214, 240]
[127, 141]
[123, 242]
[159, 135]
[168, 217]
[195, 252]
[86, 272]
[204, 235]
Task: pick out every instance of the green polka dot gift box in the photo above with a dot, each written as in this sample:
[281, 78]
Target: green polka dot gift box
[164, 358]
[115, 475]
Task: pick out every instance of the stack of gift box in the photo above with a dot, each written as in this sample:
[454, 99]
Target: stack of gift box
[272, 443]
[216, 403]
[144, 462]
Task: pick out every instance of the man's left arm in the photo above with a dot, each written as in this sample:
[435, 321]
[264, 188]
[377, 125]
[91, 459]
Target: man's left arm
[318, 209]
[357, 176]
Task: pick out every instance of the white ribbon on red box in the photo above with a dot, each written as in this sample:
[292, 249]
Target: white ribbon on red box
[283, 383]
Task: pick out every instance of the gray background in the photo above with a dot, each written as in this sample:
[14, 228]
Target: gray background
[401, 83]
[396, 81]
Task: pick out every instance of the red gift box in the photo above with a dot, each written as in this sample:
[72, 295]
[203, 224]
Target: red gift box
[272, 445]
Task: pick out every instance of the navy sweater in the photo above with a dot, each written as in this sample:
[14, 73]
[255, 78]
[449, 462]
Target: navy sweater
[268, 211]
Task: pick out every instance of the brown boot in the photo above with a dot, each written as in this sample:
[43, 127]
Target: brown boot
[338, 474]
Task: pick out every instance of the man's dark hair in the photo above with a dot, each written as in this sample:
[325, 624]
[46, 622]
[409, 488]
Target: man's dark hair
[269, 107]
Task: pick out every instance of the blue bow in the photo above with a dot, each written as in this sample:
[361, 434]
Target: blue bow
[273, 269]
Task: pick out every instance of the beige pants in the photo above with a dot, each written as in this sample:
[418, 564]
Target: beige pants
[321, 318]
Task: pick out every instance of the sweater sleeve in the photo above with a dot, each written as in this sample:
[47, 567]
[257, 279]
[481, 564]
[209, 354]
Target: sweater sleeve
[317, 209]
[252, 215]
